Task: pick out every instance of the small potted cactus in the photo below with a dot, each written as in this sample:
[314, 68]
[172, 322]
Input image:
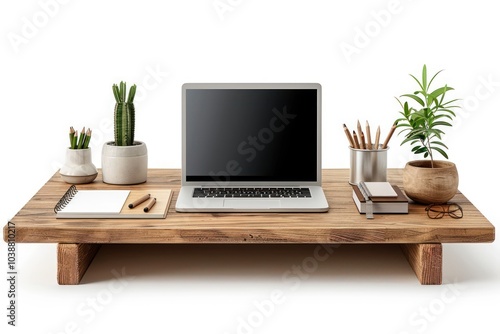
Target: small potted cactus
[124, 160]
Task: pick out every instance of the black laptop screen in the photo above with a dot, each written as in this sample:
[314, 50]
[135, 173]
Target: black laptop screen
[251, 135]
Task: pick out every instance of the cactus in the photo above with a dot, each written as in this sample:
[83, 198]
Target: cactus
[124, 114]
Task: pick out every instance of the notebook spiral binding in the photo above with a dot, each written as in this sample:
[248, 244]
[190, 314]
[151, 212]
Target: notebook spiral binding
[70, 193]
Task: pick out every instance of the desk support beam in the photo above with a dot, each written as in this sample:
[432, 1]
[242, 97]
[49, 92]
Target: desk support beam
[73, 261]
[426, 261]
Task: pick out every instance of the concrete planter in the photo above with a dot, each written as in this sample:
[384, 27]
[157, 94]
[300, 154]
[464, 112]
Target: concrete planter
[78, 167]
[124, 164]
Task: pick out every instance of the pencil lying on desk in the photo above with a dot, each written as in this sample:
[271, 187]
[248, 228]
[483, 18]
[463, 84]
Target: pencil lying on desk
[150, 204]
[139, 201]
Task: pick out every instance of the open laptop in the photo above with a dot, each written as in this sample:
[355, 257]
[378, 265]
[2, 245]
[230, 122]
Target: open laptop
[249, 147]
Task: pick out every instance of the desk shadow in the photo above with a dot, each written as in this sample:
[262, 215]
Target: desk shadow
[347, 263]
[471, 263]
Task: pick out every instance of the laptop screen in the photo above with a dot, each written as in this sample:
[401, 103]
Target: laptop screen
[251, 134]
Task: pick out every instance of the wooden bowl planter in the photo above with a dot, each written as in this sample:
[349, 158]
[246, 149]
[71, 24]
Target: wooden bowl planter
[427, 185]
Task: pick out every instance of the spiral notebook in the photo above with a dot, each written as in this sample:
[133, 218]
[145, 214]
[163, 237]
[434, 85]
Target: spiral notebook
[111, 203]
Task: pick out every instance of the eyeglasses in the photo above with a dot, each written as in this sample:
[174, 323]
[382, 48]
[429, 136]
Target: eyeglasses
[437, 211]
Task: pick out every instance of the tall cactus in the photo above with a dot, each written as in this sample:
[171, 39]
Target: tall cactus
[124, 114]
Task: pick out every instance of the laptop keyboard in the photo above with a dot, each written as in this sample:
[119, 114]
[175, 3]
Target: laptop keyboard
[252, 192]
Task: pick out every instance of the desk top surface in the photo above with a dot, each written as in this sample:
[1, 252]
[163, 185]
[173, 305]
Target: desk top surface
[36, 221]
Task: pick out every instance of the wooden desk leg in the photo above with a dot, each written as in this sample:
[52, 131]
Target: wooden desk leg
[73, 261]
[426, 261]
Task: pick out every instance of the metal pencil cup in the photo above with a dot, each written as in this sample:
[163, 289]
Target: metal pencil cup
[368, 165]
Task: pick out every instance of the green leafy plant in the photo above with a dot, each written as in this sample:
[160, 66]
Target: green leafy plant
[422, 125]
[124, 114]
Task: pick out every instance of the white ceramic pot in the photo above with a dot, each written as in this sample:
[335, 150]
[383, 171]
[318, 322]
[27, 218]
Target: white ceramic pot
[78, 167]
[124, 164]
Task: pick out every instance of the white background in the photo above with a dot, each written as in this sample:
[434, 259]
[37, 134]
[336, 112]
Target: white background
[59, 60]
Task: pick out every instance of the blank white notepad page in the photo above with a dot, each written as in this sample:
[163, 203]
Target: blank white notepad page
[97, 201]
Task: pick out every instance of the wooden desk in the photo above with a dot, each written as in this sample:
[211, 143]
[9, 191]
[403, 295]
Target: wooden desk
[79, 239]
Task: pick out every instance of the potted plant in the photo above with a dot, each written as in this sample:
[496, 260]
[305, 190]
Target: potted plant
[428, 181]
[124, 160]
[78, 167]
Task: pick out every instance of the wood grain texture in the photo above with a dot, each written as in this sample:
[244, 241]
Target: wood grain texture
[426, 184]
[36, 221]
[426, 261]
[73, 261]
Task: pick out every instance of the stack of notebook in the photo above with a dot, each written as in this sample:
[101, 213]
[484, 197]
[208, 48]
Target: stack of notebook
[384, 197]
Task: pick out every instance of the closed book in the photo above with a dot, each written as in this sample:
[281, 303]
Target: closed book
[389, 204]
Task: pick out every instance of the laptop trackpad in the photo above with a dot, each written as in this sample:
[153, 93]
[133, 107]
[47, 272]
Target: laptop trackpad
[252, 203]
